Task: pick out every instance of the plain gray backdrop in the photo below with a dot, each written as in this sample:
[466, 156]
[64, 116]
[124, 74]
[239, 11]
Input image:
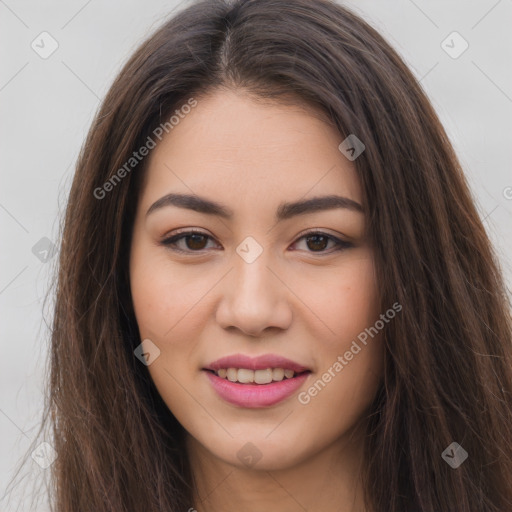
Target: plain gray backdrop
[47, 105]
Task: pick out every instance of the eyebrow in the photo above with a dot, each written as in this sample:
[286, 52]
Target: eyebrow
[284, 211]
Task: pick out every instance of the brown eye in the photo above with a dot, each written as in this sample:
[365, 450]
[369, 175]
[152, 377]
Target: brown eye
[194, 241]
[318, 242]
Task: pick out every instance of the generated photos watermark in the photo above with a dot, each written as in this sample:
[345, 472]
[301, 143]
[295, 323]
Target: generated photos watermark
[143, 151]
[343, 360]
[454, 455]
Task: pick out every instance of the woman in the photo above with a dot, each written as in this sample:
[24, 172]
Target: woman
[275, 292]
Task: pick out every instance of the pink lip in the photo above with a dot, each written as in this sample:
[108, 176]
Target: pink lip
[255, 395]
[255, 363]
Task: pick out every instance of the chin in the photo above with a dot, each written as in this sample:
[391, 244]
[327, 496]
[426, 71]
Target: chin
[257, 453]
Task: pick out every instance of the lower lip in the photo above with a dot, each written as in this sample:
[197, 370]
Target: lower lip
[255, 395]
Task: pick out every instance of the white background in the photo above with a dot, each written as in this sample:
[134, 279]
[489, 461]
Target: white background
[47, 105]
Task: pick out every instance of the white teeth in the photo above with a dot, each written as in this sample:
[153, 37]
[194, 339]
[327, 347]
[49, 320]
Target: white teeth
[288, 374]
[277, 374]
[262, 376]
[246, 376]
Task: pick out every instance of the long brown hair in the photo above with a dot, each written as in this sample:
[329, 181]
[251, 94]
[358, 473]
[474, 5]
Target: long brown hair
[448, 365]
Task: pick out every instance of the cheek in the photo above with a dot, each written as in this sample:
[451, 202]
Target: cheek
[163, 298]
[336, 402]
[168, 312]
[344, 298]
[357, 304]
[348, 306]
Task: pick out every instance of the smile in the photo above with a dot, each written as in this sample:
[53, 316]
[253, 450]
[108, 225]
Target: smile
[246, 376]
[255, 382]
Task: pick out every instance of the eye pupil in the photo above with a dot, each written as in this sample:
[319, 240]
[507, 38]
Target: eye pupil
[316, 238]
[195, 238]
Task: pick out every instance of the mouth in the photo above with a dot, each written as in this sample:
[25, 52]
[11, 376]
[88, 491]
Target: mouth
[255, 382]
[260, 377]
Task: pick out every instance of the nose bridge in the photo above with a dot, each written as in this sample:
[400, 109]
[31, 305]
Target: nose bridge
[253, 298]
[252, 279]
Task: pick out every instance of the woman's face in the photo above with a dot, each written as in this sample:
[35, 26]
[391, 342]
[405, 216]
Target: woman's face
[253, 286]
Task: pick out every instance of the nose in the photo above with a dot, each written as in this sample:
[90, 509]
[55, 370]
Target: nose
[254, 298]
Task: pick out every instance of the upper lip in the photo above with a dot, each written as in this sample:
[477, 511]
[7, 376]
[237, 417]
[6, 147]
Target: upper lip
[255, 363]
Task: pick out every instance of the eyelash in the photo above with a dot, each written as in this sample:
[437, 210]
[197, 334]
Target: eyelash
[170, 242]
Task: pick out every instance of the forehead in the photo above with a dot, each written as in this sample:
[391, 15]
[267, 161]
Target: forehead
[237, 148]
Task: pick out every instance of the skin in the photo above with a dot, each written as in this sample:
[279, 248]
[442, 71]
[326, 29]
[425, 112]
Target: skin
[301, 300]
